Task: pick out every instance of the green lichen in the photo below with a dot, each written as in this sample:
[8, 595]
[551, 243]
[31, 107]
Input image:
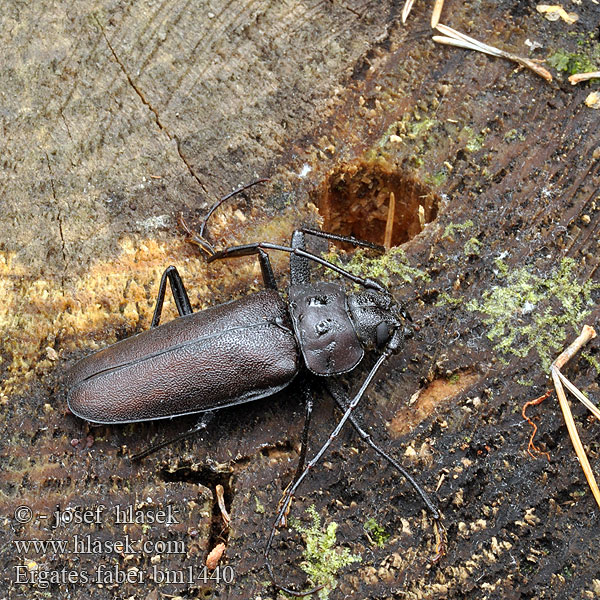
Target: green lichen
[453, 228]
[381, 267]
[473, 247]
[417, 128]
[534, 312]
[259, 508]
[436, 179]
[513, 135]
[445, 299]
[322, 559]
[474, 140]
[586, 59]
[376, 533]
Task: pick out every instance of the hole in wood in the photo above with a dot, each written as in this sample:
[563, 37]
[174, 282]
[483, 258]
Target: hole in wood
[355, 200]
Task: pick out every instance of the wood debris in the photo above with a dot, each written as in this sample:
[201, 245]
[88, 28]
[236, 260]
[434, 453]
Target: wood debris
[389, 226]
[579, 77]
[593, 100]
[554, 12]
[220, 493]
[214, 557]
[452, 37]
[559, 379]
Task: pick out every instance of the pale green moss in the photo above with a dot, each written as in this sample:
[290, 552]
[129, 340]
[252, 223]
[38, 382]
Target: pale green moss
[453, 228]
[532, 312]
[514, 135]
[259, 508]
[436, 179]
[474, 141]
[376, 533]
[322, 559]
[417, 128]
[571, 62]
[444, 299]
[473, 247]
[380, 267]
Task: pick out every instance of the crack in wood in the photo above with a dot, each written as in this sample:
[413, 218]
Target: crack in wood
[153, 110]
[60, 225]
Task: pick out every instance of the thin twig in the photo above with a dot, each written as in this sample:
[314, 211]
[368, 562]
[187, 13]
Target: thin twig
[452, 37]
[579, 77]
[437, 11]
[406, 10]
[585, 336]
[531, 447]
[389, 226]
[580, 396]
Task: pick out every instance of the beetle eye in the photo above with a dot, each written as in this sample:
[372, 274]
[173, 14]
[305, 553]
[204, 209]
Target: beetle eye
[383, 334]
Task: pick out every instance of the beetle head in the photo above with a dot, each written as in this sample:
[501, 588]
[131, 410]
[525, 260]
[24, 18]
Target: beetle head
[377, 318]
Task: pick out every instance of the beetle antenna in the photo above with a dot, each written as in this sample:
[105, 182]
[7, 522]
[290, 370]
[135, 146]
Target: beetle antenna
[338, 394]
[225, 198]
[200, 238]
[285, 502]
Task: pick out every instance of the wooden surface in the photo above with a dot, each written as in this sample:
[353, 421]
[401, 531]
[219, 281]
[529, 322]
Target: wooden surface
[117, 116]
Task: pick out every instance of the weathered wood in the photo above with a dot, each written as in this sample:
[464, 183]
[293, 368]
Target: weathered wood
[116, 118]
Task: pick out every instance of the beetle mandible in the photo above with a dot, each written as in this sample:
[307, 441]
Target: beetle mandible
[248, 349]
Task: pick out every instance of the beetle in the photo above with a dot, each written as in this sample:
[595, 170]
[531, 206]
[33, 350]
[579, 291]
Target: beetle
[248, 349]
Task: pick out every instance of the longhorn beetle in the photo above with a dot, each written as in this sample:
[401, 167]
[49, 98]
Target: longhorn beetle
[248, 349]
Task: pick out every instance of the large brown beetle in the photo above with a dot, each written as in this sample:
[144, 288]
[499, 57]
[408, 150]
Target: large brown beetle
[249, 349]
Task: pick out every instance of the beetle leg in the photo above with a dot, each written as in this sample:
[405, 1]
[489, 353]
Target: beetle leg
[291, 490]
[308, 405]
[266, 270]
[249, 249]
[194, 238]
[179, 295]
[339, 395]
[299, 265]
[198, 426]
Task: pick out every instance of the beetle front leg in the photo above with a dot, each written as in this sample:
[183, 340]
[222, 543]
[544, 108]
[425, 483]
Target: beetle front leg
[291, 490]
[341, 398]
[182, 302]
